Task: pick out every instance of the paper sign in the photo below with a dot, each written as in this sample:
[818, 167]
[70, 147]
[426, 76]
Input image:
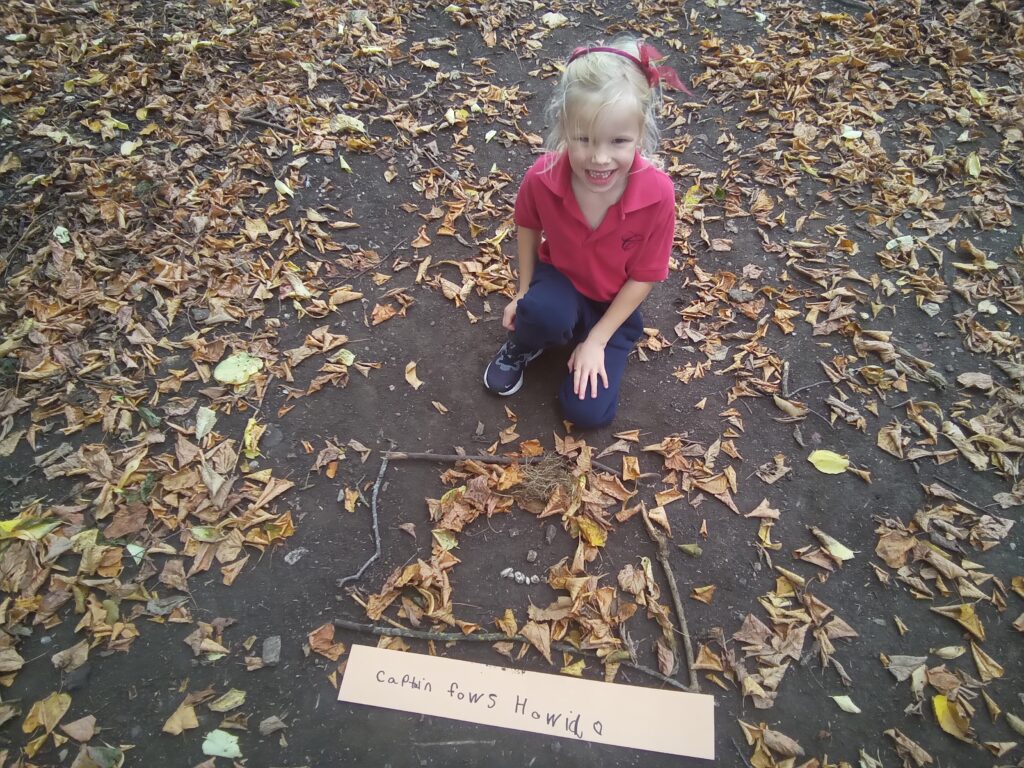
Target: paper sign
[675, 722]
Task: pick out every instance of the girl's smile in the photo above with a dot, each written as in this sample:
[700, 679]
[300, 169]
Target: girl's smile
[602, 142]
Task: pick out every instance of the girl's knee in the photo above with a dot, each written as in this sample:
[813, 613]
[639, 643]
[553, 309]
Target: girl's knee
[553, 322]
[587, 413]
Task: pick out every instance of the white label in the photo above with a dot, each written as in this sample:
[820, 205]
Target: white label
[674, 722]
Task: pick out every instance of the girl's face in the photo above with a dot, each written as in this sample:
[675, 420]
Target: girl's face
[601, 143]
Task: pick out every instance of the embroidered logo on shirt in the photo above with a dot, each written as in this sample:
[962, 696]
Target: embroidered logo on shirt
[631, 240]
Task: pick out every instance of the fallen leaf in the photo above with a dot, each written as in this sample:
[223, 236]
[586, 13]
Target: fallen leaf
[703, 594]
[220, 743]
[846, 704]
[410, 376]
[184, 718]
[82, 729]
[321, 640]
[232, 699]
[988, 668]
[237, 368]
[828, 462]
[950, 719]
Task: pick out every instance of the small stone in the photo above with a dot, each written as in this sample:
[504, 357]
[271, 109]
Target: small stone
[77, 678]
[549, 533]
[535, 579]
[508, 573]
[271, 725]
[531, 556]
[520, 577]
[271, 650]
[513, 532]
[295, 555]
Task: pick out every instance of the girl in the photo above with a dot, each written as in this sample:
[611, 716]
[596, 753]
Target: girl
[595, 225]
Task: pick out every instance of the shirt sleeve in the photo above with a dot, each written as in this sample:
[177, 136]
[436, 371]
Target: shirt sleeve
[526, 210]
[651, 265]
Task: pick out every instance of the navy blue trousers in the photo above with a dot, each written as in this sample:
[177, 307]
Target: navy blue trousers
[553, 313]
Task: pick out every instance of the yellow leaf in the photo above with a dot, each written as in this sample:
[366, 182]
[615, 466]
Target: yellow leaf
[828, 462]
[27, 528]
[576, 670]
[410, 376]
[230, 700]
[630, 468]
[692, 199]
[237, 368]
[965, 616]
[507, 623]
[351, 499]
[834, 548]
[251, 438]
[950, 719]
[283, 188]
[445, 539]
[591, 532]
[46, 713]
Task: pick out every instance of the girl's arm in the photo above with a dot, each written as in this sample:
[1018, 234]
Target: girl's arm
[528, 241]
[587, 361]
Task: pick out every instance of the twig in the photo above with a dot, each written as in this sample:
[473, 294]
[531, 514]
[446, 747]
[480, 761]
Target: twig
[785, 379]
[376, 526]
[742, 756]
[490, 637]
[808, 386]
[483, 458]
[662, 546]
[858, 4]
[444, 457]
[265, 124]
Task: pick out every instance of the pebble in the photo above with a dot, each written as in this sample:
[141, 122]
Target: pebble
[272, 650]
[508, 573]
[531, 556]
[295, 555]
[520, 577]
[549, 533]
[77, 678]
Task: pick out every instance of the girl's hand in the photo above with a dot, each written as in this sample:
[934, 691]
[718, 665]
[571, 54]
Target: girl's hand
[587, 365]
[508, 317]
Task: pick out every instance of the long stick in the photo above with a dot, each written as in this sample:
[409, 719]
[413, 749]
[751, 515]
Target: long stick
[376, 527]
[482, 458]
[488, 637]
[662, 546]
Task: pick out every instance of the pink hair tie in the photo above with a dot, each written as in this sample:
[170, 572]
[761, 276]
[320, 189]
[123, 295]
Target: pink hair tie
[648, 55]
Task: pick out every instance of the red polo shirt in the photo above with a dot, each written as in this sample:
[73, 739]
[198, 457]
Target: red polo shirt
[633, 240]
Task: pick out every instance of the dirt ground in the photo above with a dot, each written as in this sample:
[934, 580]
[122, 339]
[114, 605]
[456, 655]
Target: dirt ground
[794, 320]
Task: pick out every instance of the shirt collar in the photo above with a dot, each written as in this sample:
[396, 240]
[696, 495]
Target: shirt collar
[556, 174]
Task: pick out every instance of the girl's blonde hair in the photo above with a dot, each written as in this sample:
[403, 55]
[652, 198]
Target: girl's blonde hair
[606, 77]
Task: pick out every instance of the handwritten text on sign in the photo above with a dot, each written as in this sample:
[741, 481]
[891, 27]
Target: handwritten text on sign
[674, 722]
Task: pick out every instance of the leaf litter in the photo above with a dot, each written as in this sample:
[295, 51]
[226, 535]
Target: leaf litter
[181, 498]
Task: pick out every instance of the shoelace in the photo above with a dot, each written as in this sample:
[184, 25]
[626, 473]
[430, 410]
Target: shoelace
[508, 359]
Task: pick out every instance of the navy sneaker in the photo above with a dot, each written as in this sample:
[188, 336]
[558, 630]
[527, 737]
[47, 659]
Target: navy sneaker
[504, 374]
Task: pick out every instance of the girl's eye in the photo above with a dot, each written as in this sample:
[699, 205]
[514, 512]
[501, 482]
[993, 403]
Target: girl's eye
[582, 139]
[622, 140]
